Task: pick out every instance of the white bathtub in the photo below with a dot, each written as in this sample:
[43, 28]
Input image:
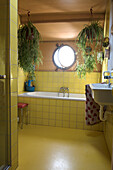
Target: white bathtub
[54, 95]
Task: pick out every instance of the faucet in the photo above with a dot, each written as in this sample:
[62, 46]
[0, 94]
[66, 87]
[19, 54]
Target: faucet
[108, 77]
[67, 90]
[63, 90]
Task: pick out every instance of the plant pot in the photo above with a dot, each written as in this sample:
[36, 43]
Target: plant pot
[88, 49]
[29, 82]
[30, 88]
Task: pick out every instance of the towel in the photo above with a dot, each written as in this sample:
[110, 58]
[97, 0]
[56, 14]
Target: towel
[92, 108]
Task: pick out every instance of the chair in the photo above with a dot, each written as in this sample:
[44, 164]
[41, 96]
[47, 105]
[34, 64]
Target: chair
[22, 106]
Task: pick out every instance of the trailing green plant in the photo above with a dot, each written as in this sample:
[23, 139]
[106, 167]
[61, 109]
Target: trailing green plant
[90, 35]
[29, 53]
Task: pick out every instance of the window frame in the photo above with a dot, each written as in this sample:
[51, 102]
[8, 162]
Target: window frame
[58, 48]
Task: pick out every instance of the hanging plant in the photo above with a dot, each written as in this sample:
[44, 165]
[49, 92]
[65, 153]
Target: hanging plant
[29, 53]
[90, 35]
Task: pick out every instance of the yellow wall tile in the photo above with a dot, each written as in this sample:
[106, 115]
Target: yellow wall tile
[13, 85]
[79, 125]
[13, 43]
[51, 122]
[66, 117]
[45, 101]
[13, 15]
[65, 110]
[73, 117]
[45, 115]
[66, 124]
[14, 3]
[14, 113]
[58, 123]
[45, 108]
[53, 81]
[13, 126]
[39, 121]
[13, 71]
[58, 116]
[54, 112]
[59, 110]
[45, 122]
[52, 116]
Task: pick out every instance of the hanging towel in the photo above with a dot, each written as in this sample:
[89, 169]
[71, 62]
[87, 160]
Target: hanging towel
[92, 108]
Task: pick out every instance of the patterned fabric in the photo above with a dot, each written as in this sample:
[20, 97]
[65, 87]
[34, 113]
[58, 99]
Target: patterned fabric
[92, 108]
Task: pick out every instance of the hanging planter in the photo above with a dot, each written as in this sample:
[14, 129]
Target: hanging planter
[88, 49]
[91, 34]
[29, 53]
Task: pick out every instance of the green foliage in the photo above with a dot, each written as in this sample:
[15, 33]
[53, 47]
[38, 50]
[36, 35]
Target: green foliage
[29, 53]
[89, 35]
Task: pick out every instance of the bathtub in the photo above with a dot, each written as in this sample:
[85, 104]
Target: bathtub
[47, 109]
[54, 95]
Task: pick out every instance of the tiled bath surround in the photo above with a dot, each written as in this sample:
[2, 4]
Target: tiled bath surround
[58, 113]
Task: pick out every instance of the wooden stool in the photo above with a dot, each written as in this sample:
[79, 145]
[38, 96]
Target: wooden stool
[21, 106]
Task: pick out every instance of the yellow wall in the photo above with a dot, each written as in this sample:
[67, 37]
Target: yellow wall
[8, 49]
[52, 81]
[58, 113]
[108, 132]
[21, 80]
[13, 81]
[108, 129]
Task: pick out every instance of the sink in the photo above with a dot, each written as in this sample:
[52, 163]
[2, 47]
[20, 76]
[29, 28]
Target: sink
[102, 94]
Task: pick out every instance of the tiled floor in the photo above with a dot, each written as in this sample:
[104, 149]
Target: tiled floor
[51, 148]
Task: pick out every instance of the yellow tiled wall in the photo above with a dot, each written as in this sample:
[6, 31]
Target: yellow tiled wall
[108, 132]
[52, 81]
[13, 5]
[8, 61]
[58, 113]
[21, 79]
[108, 129]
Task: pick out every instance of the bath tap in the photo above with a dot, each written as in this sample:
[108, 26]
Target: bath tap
[63, 90]
[67, 90]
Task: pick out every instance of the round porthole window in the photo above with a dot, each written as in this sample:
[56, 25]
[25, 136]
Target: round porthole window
[64, 57]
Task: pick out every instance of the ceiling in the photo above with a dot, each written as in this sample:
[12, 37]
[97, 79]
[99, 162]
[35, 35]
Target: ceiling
[61, 20]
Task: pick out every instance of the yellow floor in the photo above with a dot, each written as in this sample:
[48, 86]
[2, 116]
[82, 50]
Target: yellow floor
[51, 148]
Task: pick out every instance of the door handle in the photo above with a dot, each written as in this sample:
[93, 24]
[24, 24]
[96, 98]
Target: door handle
[2, 76]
